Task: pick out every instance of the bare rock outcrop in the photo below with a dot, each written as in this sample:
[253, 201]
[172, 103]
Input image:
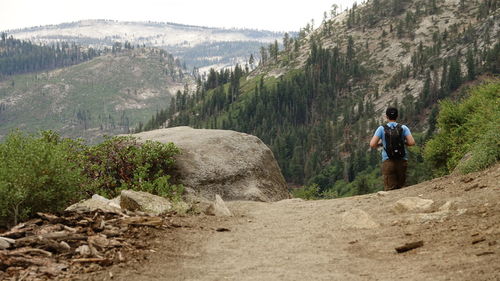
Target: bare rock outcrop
[235, 165]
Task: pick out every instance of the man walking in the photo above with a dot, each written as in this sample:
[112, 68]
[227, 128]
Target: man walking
[394, 137]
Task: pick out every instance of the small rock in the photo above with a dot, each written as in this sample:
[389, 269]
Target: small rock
[197, 203]
[218, 208]
[144, 202]
[359, 219]
[95, 203]
[83, 250]
[65, 245]
[412, 204]
[5, 243]
[382, 193]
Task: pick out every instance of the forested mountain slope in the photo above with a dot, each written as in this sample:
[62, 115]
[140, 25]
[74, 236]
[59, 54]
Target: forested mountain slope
[317, 102]
[106, 95]
[20, 56]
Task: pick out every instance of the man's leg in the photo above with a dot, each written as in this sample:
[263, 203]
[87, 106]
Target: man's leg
[390, 175]
[401, 168]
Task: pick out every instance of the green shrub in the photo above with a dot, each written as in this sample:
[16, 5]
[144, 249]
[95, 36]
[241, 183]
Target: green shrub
[46, 173]
[36, 175]
[467, 126]
[124, 163]
[308, 192]
[484, 152]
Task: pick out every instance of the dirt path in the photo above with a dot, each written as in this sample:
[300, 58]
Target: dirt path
[342, 239]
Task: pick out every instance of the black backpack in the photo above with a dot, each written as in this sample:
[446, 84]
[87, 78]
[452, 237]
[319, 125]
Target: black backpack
[394, 142]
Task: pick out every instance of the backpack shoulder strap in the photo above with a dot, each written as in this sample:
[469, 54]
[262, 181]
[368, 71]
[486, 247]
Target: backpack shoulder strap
[399, 128]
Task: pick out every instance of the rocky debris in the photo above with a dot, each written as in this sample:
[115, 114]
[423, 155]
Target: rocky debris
[412, 205]
[218, 208]
[358, 219]
[134, 201]
[73, 243]
[234, 165]
[144, 202]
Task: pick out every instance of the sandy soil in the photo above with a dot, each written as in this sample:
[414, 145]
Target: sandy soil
[341, 239]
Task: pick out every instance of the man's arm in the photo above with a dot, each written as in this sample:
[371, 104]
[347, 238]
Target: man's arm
[374, 142]
[409, 140]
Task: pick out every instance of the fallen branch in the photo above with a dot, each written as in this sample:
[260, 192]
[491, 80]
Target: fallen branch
[485, 253]
[22, 261]
[22, 251]
[55, 236]
[409, 246]
[92, 260]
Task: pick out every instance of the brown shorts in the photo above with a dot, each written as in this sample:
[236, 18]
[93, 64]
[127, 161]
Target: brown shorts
[394, 172]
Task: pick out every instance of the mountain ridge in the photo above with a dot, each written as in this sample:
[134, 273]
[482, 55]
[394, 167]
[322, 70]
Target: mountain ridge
[177, 39]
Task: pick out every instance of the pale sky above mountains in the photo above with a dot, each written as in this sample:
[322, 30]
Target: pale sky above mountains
[276, 15]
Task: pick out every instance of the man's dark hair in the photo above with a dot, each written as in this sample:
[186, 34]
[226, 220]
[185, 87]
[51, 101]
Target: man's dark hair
[391, 113]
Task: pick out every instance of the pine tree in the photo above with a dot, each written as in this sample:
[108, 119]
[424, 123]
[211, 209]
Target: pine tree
[251, 61]
[454, 74]
[471, 66]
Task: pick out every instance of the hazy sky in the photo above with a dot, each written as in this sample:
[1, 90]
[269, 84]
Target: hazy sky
[278, 15]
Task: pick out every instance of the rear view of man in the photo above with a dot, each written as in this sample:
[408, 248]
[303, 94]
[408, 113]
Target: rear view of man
[394, 137]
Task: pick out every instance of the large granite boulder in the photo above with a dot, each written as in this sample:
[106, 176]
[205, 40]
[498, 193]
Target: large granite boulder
[234, 165]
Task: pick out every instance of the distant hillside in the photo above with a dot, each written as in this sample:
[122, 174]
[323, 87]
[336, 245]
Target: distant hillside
[197, 46]
[106, 95]
[317, 101]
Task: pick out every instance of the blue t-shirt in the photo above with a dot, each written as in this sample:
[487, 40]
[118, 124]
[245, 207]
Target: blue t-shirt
[380, 133]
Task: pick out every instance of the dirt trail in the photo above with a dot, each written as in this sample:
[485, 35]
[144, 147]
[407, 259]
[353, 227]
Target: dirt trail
[336, 240]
